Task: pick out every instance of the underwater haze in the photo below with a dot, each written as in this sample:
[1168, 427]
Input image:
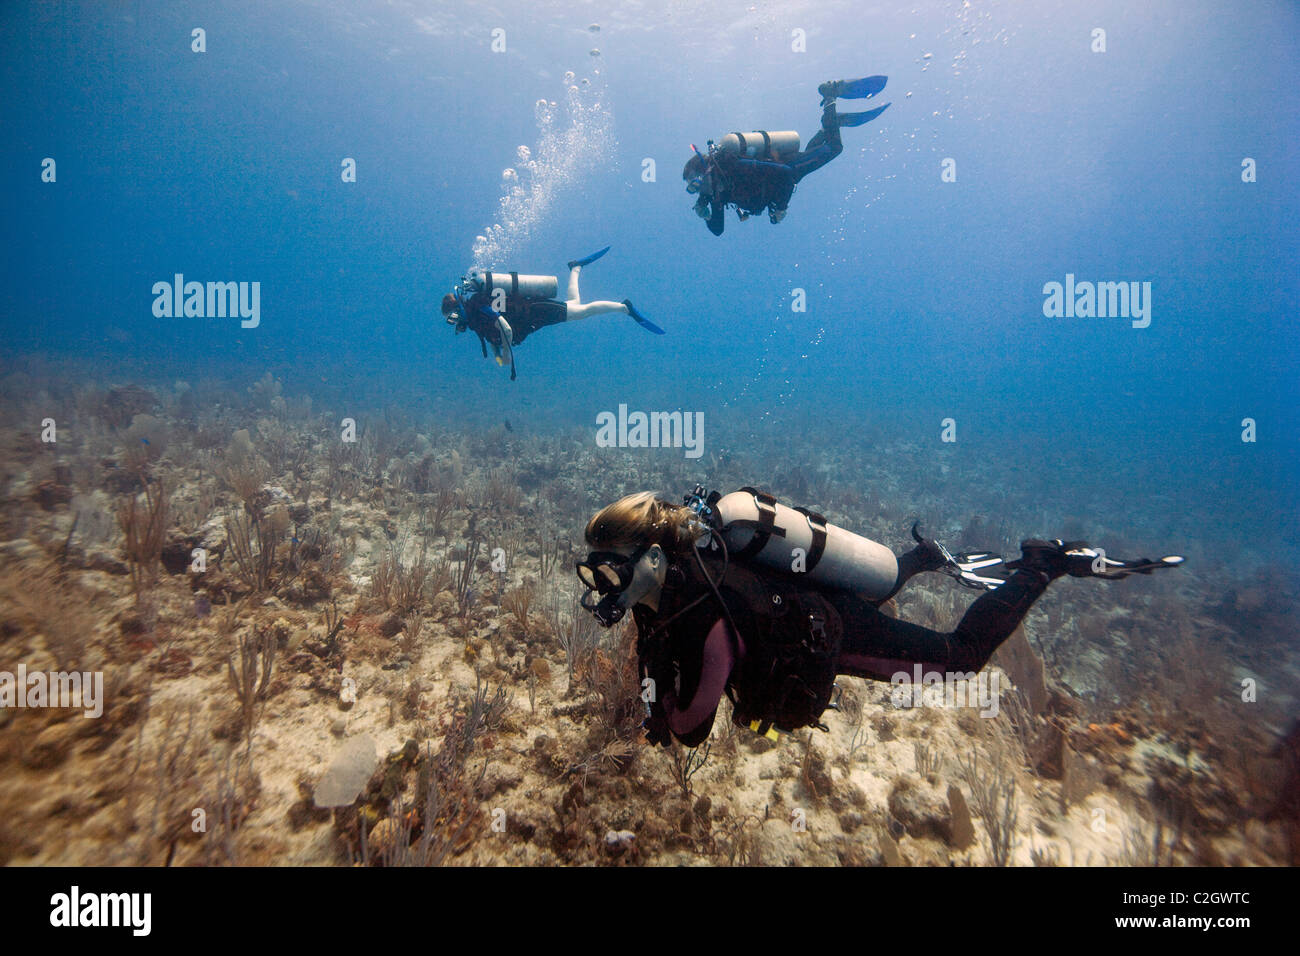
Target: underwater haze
[884, 354]
[924, 297]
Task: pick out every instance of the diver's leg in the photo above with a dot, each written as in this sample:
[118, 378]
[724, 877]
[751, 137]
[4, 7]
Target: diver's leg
[585, 310]
[822, 148]
[877, 646]
[924, 557]
[571, 294]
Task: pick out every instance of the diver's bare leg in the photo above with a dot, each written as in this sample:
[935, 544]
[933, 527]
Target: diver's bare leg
[585, 310]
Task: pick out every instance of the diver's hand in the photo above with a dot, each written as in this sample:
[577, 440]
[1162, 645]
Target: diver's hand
[702, 209]
[656, 728]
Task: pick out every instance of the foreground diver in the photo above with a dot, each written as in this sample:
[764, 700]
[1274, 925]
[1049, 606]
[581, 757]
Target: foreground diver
[524, 304]
[757, 172]
[742, 595]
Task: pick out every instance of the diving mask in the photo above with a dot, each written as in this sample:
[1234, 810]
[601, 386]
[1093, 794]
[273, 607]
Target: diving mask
[608, 574]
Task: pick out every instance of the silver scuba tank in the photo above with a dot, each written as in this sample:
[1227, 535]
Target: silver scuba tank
[760, 144]
[758, 527]
[514, 284]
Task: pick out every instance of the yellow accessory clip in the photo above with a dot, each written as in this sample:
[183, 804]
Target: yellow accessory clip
[770, 733]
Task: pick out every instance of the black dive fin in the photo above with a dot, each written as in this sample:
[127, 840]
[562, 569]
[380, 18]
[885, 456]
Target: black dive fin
[1080, 560]
[982, 570]
[1104, 566]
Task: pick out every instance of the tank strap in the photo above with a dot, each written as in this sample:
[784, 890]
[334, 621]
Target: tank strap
[514, 284]
[766, 522]
[817, 523]
[767, 143]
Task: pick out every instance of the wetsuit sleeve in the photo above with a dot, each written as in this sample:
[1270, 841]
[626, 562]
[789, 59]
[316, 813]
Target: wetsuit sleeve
[687, 722]
[716, 221]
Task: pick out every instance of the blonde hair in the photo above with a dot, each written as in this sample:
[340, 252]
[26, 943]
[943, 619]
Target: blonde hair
[643, 518]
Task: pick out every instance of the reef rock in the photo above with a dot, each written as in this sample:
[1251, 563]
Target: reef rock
[348, 775]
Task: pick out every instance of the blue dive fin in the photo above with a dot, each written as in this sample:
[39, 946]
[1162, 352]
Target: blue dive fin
[590, 259]
[860, 119]
[641, 320]
[862, 89]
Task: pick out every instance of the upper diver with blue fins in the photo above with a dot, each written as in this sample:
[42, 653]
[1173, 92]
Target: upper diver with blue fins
[757, 172]
[504, 308]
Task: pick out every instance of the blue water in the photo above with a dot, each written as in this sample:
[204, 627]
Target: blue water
[924, 297]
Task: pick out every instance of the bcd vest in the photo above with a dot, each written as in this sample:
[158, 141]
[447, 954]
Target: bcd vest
[791, 635]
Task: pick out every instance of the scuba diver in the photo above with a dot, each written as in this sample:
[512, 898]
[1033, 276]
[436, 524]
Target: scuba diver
[504, 308]
[741, 595]
[757, 172]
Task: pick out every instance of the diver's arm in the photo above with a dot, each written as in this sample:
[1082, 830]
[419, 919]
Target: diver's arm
[716, 220]
[718, 661]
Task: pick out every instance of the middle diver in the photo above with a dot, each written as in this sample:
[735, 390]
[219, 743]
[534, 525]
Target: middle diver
[757, 172]
[503, 308]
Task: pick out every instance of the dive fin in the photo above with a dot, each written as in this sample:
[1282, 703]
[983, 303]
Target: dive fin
[1080, 560]
[982, 570]
[1104, 566]
[590, 259]
[641, 319]
[861, 89]
[860, 119]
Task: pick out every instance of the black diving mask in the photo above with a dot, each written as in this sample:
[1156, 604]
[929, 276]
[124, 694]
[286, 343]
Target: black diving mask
[608, 574]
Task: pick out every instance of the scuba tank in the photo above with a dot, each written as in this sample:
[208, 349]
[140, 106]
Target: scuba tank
[757, 527]
[760, 144]
[514, 284]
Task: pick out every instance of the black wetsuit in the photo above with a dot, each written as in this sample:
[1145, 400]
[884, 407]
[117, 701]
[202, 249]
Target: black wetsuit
[755, 186]
[524, 315]
[792, 639]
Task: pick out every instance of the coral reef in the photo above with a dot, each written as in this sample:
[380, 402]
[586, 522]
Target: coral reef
[332, 647]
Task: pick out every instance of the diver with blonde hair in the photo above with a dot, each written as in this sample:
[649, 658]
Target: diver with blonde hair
[739, 594]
